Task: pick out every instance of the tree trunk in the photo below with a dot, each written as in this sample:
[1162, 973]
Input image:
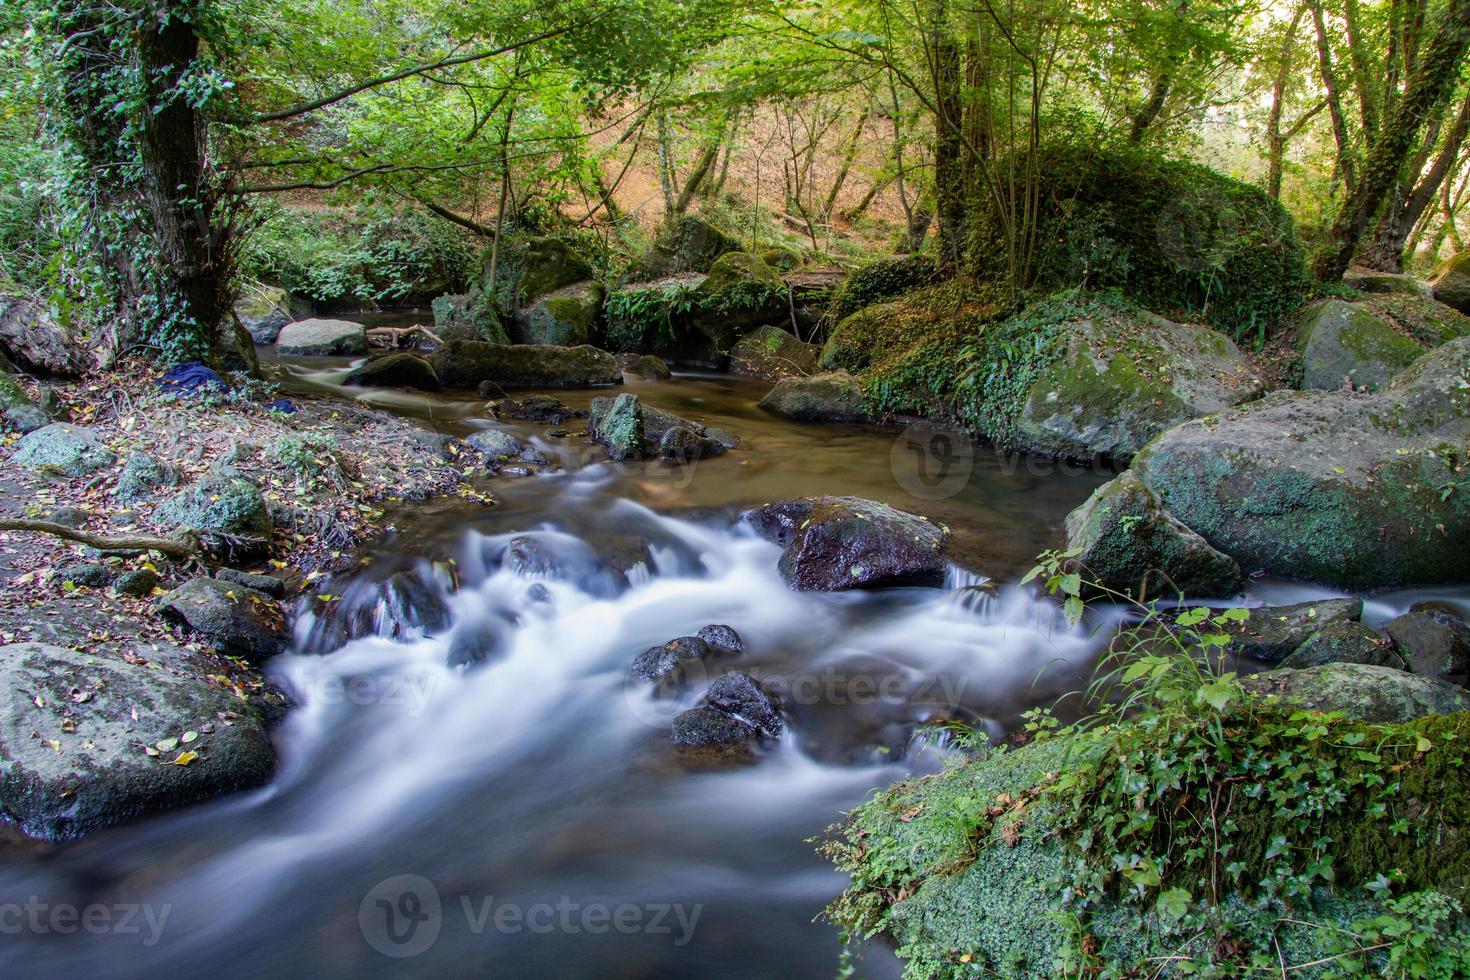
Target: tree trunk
[1149, 111]
[1275, 137]
[1334, 102]
[1433, 79]
[949, 144]
[666, 168]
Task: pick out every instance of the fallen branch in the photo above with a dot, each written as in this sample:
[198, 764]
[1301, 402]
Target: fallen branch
[183, 548]
[393, 336]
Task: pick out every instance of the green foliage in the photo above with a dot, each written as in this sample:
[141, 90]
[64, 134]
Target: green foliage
[881, 280]
[643, 319]
[1176, 236]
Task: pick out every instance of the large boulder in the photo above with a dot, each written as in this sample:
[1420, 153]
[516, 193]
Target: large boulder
[1388, 283]
[467, 363]
[1363, 691]
[1434, 644]
[397, 370]
[468, 316]
[1343, 643]
[232, 618]
[772, 353]
[629, 429]
[565, 316]
[836, 543]
[831, 397]
[740, 293]
[645, 366]
[1357, 491]
[221, 505]
[65, 449]
[320, 338]
[33, 340]
[690, 244]
[263, 310]
[1343, 342]
[1126, 542]
[1122, 378]
[1451, 283]
[1272, 633]
[74, 728]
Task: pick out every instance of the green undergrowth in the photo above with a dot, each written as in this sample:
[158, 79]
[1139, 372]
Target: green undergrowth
[1182, 828]
[651, 317]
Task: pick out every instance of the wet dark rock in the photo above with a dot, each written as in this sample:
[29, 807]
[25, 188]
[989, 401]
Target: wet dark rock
[138, 583]
[396, 370]
[535, 408]
[479, 641]
[231, 618]
[1273, 633]
[741, 697]
[93, 576]
[533, 456]
[685, 445]
[92, 715]
[1435, 644]
[402, 604]
[538, 593]
[721, 636]
[467, 363]
[1343, 643]
[645, 366]
[269, 584]
[666, 663]
[489, 390]
[837, 543]
[702, 728]
[552, 555]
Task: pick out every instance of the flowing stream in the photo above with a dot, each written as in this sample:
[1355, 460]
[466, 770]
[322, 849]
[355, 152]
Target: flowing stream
[527, 815]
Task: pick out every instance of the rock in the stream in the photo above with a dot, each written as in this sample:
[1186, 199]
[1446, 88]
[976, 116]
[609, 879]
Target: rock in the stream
[836, 543]
[63, 448]
[1272, 633]
[741, 697]
[645, 366]
[535, 408]
[73, 728]
[666, 664]
[319, 338]
[1129, 544]
[400, 605]
[397, 370]
[263, 311]
[629, 429]
[723, 637]
[467, 363]
[563, 557]
[1343, 643]
[832, 397]
[1363, 691]
[1346, 342]
[231, 618]
[496, 443]
[1435, 645]
[1355, 491]
[735, 714]
[142, 475]
[228, 505]
[772, 353]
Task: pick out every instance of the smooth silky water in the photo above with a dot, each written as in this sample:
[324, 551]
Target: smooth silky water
[538, 793]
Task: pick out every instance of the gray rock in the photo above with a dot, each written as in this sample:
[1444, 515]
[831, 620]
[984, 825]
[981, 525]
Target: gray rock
[142, 475]
[564, 316]
[836, 543]
[1341, 341]
[320, 337]
[1451, 283]
[1127, 543]
[741, 697]
[666, 663]
[137, 583]
[496, 443]
[65, 449]
[1273, 633]
[263, 311]
[26, 418]
[93, 576]
[68, 516]
[1343, 643]
[73, 728]
[772, 353]
[397, 370]
[629, 429]
[646, 366]
[34, 340]
[724, 637]
[1388, 282]
[1435, 645]
[1362, 691]
[269, 584]
[228, 505]
[233, 619]
[832, 397]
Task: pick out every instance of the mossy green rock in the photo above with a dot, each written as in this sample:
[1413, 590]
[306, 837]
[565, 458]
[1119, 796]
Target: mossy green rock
[772, 353]
[470, 316]
[142, 475]
[831, 397]
[263, 310]
[566, 316]
[65, 449]
[1345, 342]
[1343, 643]
[1125, 377]
[740, 293]
[1357, 491]
[881, 280]
[1364, 691]
[1388, 283]
[690, 245]
[11, 394]
[70, 765]
[629, 429]
[1451, 283]
[218, 505]
[546, 265]
[467, 363]
[1128, 543]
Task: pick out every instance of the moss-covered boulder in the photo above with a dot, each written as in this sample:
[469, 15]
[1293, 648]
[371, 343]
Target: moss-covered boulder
[1344, 343]
[1369, 692]
[566, 316]
[645, 366]
[263, 310]
[64, 449]
[1121, 377]
[881, 280]
[1343, 643]
[691, 244]
[1127, 542]
[221, 505]
[772, 353]
[468, 363]
[1270, 634]
[86, 738]
[831, 397]
[399, 369]
[1451, 283]
[830, 544]
[320, 337]
[468, 316]
[19, 412]
[1356, 491]
[740, 293]
[1388, 283]
[629, 429]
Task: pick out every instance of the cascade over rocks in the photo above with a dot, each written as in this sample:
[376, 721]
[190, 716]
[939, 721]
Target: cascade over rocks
[837, 543]
[1351, 490]
[74, 726]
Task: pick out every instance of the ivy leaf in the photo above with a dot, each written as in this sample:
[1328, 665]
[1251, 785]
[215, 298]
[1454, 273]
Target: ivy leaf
[1173, 904]
[1217, 695]
[1193, 617]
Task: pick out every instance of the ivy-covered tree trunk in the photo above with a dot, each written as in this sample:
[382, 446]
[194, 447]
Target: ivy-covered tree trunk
[1431, 83]
[132, 89]
[949, 141]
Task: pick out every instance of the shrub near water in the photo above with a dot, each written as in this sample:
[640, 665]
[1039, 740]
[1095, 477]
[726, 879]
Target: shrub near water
[1185, 829]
